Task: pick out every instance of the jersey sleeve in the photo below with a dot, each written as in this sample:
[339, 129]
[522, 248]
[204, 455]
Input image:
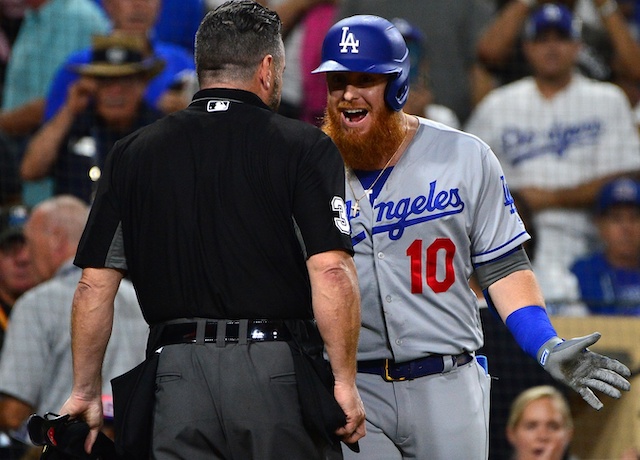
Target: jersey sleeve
[319, 207]
[497, 227]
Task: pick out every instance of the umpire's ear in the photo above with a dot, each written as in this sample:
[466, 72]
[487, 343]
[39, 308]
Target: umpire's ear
[266, 72]
[267, 80]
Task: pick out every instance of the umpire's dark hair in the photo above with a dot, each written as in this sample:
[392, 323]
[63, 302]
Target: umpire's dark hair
[233, 39]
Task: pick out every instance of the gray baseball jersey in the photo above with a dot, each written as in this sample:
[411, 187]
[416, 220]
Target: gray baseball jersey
[444, 207]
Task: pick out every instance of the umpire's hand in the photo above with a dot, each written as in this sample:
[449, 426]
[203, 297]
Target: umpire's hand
[349, 399]
[88, 409]
[572, 363]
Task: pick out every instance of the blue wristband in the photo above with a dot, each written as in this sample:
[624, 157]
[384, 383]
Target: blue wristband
[531, 328]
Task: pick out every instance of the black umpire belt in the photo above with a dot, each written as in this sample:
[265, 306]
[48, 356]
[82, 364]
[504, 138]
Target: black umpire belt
[257, 330]
[409, 370]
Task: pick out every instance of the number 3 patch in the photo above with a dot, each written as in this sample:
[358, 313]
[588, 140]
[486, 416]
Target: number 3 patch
[342, 221]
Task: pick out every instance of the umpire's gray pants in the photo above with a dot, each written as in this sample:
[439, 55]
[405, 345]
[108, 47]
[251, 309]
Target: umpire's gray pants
[236, 402]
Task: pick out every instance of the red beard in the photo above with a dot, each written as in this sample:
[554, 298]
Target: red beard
[371, 151]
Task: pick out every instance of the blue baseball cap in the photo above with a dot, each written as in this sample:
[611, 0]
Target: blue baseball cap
[555, 17]
[12, 221]
[618, 191]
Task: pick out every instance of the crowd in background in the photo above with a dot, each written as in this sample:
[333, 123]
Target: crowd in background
[555, 92]
[471, 62]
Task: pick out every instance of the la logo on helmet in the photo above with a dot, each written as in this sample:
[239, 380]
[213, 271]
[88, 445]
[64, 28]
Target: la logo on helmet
[348, 40]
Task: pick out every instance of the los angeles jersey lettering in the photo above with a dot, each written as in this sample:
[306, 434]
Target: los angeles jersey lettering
[412, 211]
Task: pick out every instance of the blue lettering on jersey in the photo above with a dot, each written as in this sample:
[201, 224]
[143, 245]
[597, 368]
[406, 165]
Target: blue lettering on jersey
[508, 198]
[435, 205]
[355, 239]
[520, 145]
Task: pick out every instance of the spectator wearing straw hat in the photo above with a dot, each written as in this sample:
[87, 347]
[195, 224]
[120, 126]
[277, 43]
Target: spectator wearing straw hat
[168, 91]
[103, 106]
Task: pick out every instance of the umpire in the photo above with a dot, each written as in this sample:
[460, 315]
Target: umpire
[230, 221]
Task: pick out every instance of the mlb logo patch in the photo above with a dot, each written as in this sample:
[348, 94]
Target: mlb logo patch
[217, 106]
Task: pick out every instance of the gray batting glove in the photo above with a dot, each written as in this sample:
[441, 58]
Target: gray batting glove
[571, 363]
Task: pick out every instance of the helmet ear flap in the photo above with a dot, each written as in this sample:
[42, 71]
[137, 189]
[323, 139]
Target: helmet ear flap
[397, 91]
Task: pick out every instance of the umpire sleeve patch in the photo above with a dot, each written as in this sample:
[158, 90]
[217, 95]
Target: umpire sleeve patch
[342, 221]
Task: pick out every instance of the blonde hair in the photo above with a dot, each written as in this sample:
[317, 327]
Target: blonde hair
[533, 394]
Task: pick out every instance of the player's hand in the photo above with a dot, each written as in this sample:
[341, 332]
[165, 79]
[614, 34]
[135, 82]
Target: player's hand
[572, 363]
[349, 399]
[89, 410]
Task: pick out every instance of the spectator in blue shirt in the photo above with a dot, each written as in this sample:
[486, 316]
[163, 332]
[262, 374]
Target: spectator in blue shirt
[609, 279]
[178, 21]
[169, 91]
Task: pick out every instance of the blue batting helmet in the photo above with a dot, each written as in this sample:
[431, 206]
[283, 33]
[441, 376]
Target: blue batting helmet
[371, 44]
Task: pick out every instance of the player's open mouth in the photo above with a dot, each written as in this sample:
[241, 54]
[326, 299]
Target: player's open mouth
[355, 115]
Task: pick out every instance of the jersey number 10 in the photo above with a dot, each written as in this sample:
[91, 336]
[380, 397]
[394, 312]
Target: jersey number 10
[414, 251]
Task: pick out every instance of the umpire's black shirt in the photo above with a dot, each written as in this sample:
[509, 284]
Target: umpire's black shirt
[207, 209]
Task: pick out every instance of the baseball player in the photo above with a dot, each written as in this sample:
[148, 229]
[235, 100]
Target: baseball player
[428, 205]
